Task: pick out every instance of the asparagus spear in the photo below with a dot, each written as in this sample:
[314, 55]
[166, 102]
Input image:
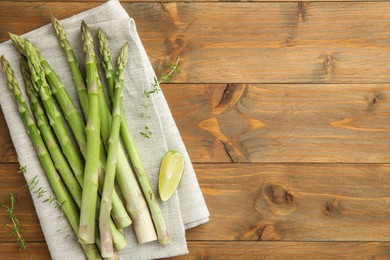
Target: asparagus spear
[58, 88]
[131, 149]
[38, 77]
[105, 234]
[62, 195]
[87, 215]
[134, 201]
[73, 64]
[119, 214]
[59, 159]
[56, 121]
[106, 62]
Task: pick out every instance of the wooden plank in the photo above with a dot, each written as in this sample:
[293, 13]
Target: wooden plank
[283, 123]
[287, 202]
[35, 250]
[14, 182]
[23, 17]
[276, 123]
[219, 1]
[247, 250]
[7, 151]
[295, 202]
[280, 42]
[286, 250]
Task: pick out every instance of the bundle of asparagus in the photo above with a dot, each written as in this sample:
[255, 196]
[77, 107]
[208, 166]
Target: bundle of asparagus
[83, 175]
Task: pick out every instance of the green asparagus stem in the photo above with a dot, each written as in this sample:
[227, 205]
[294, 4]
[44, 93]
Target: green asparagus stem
[73, 63]
[136, 204]
[113, 142]
[158, 219]
[69, 208]
[106, 62]
[72, 184]
[54, 116]
[132, 151]
[119, 214]
[55, 120]
[88, 212]
[49, 138]
[71, 115]
[57, 156]
[58, 88]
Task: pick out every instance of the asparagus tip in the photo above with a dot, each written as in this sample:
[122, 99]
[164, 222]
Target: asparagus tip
[13, 36]
[24, 68]
[56, 25]
[53, 20]
[3, 62]
[17, 42]
[122, 60]
[83, 25]
[84, 30]
[102, 37]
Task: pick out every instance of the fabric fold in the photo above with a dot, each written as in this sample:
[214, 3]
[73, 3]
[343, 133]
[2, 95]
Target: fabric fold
[185, 209]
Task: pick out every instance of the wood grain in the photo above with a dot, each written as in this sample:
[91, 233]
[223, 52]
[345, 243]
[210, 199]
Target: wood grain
[283, 107]
[287, 202]
[283, 123]
[280, 42]
[244, 250]
[295, 202]
[35, 251]
[7, 151]
[14, 182]
[276, 122]
[287, 250]
[194, 1]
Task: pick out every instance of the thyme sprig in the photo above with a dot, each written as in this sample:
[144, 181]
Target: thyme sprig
[40, 193]
[14, 223]
[155, 88]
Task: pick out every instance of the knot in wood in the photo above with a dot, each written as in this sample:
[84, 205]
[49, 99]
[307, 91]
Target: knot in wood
[289, 41]
[301, 11]
[261, 232]
[374, 101]
[268, 232]
[328, 64]
[333, 208]
[278, 195]
[178, 44]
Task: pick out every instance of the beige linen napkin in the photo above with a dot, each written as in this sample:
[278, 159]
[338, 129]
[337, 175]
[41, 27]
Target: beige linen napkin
[185, 209]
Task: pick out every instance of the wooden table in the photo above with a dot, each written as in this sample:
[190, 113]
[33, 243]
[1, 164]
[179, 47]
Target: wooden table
[284, 108]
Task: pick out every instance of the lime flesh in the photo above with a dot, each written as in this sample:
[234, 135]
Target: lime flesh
[171, 170]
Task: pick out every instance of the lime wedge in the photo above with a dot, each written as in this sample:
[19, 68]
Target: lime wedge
[171, 170]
